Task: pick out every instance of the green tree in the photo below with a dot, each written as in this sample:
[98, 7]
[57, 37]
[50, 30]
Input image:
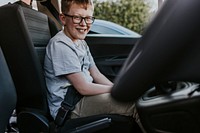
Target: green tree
[133, 14]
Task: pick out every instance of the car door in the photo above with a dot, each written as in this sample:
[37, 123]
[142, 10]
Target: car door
[110, 51]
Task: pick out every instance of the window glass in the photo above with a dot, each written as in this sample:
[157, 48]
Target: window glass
[3, 2]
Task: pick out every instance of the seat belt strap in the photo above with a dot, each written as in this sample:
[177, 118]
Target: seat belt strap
[72, 97]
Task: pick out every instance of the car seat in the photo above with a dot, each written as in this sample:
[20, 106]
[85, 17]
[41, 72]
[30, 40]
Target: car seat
[162, 71]
[8, 97]
[24, 35]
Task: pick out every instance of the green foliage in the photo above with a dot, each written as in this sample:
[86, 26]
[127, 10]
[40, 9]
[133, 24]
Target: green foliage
[132, 14]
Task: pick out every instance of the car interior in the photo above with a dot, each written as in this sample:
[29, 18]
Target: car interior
[24, 36]
[161, 74]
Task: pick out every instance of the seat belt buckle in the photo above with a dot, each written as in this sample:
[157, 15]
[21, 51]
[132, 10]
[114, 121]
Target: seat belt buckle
[61, 115]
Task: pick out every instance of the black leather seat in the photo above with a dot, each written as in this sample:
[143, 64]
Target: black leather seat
[24, 36]
[8, 97]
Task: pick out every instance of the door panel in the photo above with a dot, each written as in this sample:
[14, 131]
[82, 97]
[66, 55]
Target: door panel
[110, 66]
[110, 51]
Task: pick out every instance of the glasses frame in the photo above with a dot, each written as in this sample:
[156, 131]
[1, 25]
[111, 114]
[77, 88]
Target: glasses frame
[81, 18]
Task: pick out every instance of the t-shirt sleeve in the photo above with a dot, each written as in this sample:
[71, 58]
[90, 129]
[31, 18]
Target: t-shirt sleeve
[64, 59]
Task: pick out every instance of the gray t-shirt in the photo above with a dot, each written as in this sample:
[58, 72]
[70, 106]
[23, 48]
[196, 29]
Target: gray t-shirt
[63, 57]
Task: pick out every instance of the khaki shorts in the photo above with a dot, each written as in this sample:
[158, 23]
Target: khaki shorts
[104, 104]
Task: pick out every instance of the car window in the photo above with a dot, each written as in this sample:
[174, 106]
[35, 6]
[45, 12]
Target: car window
[3, 2]
[102, 30]
[107, 27]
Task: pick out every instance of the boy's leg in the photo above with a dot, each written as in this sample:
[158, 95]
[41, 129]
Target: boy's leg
[102, 104]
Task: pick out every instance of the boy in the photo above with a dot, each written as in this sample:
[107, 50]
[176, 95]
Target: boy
[68, 62]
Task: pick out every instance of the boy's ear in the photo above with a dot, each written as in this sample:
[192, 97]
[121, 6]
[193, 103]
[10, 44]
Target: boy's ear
[62, 19]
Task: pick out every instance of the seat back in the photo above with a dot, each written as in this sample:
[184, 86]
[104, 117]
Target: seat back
[24, 35]
[22, 59]
[8, 97]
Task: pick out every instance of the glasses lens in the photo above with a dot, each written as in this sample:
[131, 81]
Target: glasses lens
[89, 20]
[77, 19]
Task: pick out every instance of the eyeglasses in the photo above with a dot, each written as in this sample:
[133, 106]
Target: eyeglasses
[79, 19]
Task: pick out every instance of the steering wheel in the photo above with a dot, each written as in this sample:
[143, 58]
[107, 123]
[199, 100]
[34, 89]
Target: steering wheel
[169, 50]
